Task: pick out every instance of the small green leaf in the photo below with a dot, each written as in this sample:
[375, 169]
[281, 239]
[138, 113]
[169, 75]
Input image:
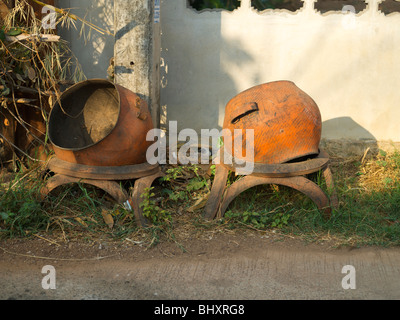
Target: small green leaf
[2, 35]
[4, 215]
[14, 32]
[382, 153]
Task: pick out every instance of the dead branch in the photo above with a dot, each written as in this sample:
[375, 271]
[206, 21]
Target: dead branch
[37, 37]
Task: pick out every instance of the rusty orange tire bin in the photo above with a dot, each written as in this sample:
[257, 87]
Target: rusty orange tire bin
[286, 122]
[99, 123]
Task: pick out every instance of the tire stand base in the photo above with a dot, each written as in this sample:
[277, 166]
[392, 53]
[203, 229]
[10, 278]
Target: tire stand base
[106, 178]
[292, 175]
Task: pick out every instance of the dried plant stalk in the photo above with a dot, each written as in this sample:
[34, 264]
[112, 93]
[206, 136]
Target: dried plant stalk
[34, 62]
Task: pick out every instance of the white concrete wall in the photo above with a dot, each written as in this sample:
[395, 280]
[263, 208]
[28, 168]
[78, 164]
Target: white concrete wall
[349, 64]
[92, 49]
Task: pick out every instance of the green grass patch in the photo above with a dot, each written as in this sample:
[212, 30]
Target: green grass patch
[368, 214]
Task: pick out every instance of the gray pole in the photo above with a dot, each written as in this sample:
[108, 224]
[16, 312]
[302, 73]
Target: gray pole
[137, 50]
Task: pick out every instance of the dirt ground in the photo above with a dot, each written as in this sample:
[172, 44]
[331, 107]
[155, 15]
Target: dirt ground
[247, 266]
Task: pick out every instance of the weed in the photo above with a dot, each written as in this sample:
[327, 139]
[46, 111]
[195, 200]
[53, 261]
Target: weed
[183, 182]
[178, 172]
[212, 170]
[20, 210]
[151, 211]
[176, 196]
[280, 219]
[173, 174]
[196, 184]
[264, 219]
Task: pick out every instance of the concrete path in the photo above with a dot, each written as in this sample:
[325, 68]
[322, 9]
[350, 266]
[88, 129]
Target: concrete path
[246, 271]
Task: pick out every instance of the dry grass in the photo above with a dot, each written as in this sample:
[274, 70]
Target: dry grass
[369, 212]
